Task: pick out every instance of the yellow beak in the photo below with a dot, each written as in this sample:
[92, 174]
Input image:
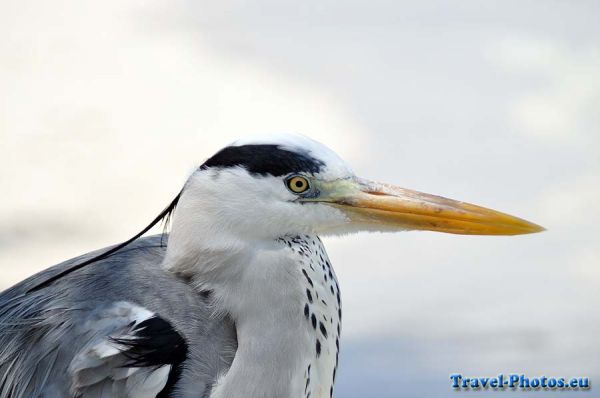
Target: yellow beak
[388, 206]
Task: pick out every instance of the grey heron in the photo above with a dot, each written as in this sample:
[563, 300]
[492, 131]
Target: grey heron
[239, 300]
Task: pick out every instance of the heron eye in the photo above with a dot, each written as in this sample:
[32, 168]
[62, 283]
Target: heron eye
[298, 184]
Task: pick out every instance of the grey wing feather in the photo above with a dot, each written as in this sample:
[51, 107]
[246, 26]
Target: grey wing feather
[62, 340]
[103, 366]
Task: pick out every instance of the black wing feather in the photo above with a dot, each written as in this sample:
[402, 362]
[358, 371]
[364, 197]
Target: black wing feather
[156, 343]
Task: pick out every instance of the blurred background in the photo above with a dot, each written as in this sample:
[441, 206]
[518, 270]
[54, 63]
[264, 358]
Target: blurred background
[107, 107]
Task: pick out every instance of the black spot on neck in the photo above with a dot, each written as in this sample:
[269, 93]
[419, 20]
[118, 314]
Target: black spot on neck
[318, 348]
[265, 160]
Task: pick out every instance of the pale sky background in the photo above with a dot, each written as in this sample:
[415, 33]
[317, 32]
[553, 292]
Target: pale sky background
[106, 107]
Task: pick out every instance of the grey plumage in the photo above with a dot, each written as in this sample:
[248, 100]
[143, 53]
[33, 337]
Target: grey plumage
[43, 331]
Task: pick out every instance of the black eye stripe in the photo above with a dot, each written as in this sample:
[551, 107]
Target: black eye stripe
[265, 160]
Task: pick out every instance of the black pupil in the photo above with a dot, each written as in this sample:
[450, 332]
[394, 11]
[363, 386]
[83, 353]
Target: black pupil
[299, 184]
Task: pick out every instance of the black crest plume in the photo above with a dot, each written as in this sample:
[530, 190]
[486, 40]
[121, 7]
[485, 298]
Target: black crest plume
[164, 215]
[255, 158]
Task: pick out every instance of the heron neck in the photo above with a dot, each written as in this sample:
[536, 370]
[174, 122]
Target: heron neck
[287, 338]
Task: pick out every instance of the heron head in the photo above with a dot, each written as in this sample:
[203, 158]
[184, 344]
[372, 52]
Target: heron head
[272, 186]
[264, 188]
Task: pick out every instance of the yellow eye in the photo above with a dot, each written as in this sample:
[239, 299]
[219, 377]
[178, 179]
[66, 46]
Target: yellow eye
[298, 184]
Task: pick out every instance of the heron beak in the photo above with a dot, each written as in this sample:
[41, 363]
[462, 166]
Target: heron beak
[391, 207]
